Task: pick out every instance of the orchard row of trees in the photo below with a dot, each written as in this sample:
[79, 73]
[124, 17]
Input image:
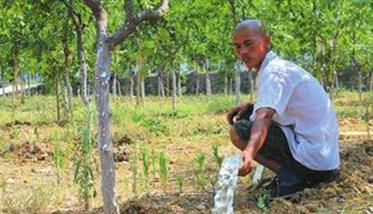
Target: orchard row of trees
[89, 42]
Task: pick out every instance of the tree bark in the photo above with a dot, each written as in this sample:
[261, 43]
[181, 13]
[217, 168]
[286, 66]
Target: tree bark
[225, 84]
[102, 76]
[179, 89]
[197, 83]
[132, 84]
[237, 82]
[66, 79]
[114, 85]
[83, 69]
[208, 84]
[252, 86]
[142, 84]
[119, 88]
[336, 80]
[15, 66]
[160, 83]
[138, 89]
[57, 94]
[105, 45]
[173, 91]
[371, 81]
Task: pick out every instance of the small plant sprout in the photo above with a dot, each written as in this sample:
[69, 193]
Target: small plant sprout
[133, 168]
[163, 169]
[217, 157]
[58, 160]
[83, 175]
[200, 171]
[145, 161]
[154, 161]
[180, 182]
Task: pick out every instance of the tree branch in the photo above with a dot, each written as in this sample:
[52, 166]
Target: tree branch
[129, 9]
[131, 23]
[94, 6]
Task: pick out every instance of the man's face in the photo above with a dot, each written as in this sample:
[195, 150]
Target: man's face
[250, 47]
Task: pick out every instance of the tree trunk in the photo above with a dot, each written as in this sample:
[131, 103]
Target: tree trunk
[138, 89]
[230, 89]
[371, 81]
[360, 82]
[252, 86]
[83, 68]
[114, 85]
[173, 91]
[168, 86]
[225, 84]
[336, 80]
[132, 85]
[208, 84]
[237, 82]
[160, 83]
[119, 88]
[58, 110]
[2, 82]
[29, 84]
[179, 89]
[15, 78]
[102, 74]
[197, 84]
[66, 80]
[142, 82]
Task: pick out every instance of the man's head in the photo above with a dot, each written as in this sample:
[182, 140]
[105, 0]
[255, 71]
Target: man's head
[251, 42]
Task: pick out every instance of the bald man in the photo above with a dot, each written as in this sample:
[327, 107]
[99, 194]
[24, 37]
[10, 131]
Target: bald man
[292, 129]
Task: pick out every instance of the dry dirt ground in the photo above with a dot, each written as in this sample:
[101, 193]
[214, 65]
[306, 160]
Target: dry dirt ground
[30, 176]
[351, 193]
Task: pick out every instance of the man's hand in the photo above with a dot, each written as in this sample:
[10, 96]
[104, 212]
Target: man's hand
[246, 165]
[238, 112]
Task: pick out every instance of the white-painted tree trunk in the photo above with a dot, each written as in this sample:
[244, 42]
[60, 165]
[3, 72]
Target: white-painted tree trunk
[174, 98]
[237, 82]
[336, 80]
[371, 81]
[225, 84]
[142, 84]
[105, 144]
[119, 88]
[179, 88]
[208, 84]
[132, 85]
[160, 83]
[114, 85]
[197, 84]
[252, 85]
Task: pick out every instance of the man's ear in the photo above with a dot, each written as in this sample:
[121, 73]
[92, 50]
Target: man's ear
[267, 40]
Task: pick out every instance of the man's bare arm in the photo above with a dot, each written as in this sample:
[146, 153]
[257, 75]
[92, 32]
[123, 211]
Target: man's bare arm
[259, 132]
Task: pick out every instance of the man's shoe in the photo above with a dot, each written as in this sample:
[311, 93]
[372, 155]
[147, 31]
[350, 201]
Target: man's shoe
[285, 185]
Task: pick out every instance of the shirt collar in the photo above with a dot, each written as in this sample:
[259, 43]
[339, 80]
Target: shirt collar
[268, 57]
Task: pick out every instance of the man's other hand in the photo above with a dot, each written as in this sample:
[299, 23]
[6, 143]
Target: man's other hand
[238, 112]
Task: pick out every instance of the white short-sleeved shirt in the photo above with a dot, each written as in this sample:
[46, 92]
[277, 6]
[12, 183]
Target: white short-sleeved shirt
[303, 109]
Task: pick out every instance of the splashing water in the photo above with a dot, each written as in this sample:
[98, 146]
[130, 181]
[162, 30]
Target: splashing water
[224, 189]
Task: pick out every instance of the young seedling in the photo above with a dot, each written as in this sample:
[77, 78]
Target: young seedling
[83, 175]
[145, 161]
[163, 169]
[217, 157]
[180, 182]
[154, 161]
[133, 168]
[58, 160]
[200, 171]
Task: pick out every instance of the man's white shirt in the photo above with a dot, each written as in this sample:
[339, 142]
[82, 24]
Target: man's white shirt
[303, 109]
